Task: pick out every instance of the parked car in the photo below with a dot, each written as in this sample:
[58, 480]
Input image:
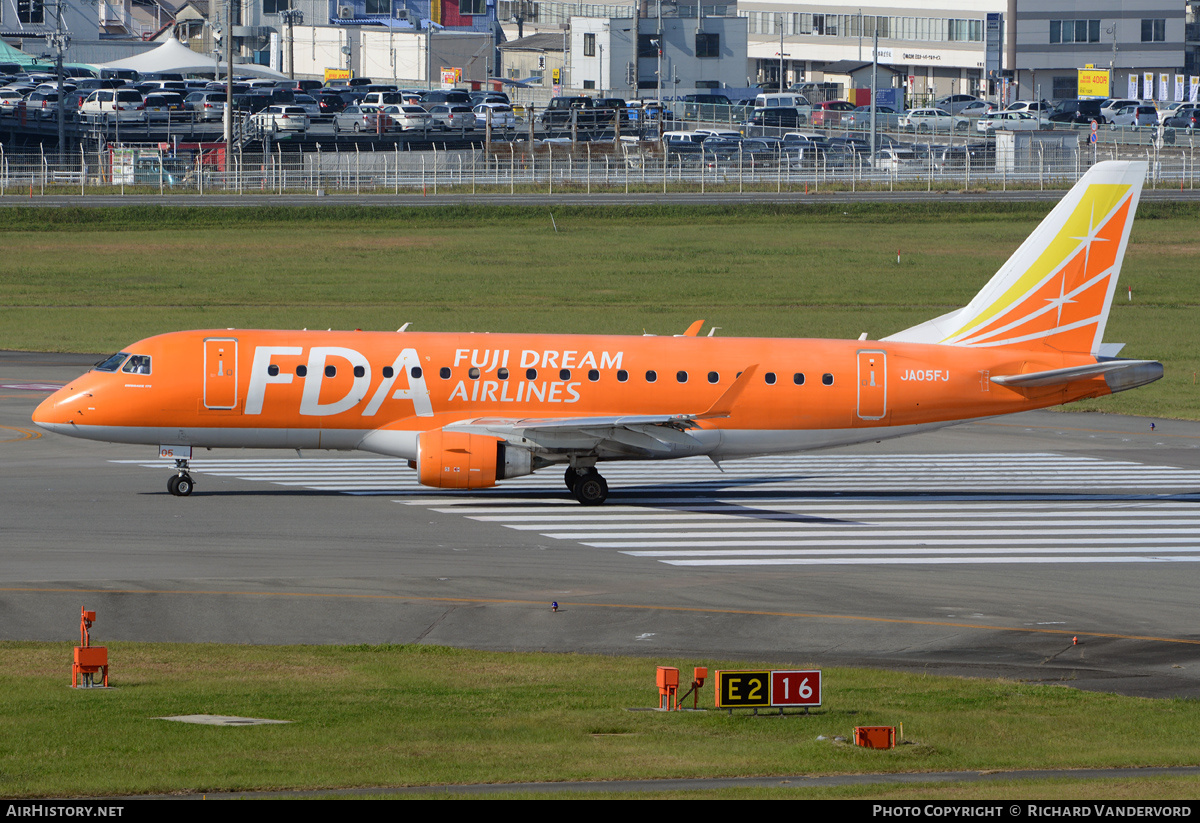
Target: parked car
[453, 117]
[804, 148]
[706, 107]
[1007, 121]
[501, 114]
[329, 104]
[830, 112]
[356, 119]
[42, 104]
[1134, 116]
[1112, 105]
[383, 98]
[309, 104]
[406, 118]
[772, 121]
[207, 105]
[893, 159]
[1167, 110]
[976, 108]
[1035, 107]
[275, 119]
[886, 118]
[1078, 112]
[161, 105]
[1187, 116]
[933, 120]
[114, 104]
[440, 97]
[955, 103]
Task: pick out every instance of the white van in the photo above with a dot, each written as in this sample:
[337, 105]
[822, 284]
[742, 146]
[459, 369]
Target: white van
[787, 99]
[683, 137]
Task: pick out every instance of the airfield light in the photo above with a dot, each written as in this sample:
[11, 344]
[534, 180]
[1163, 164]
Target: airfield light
[668, 688]
[89, 660]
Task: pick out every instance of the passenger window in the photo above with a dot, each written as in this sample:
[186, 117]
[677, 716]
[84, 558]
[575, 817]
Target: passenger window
[770, 378]
[331, 371]
[444, 373]
[827, 379]
[273, 370]
[713, 377]
[388, 372]
[502, 374]
[593, 375]
[798, 379]
[473, 373]
[651, 376]
[359, 371]
[622, 375]
[564, 374]
[302, 371]
[531, 374]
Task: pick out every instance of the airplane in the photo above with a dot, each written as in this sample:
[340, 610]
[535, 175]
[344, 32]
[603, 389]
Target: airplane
[470, 410]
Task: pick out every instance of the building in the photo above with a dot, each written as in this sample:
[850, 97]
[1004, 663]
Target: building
[623, 55]
[1133, 38]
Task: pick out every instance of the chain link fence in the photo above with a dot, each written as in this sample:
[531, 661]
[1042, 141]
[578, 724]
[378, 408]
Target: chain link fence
[615, 165]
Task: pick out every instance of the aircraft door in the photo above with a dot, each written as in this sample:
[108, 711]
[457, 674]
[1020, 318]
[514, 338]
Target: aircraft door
[872, 384]
[220, 372]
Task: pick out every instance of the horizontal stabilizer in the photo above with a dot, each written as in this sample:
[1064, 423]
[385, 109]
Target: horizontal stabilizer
[1119, 374]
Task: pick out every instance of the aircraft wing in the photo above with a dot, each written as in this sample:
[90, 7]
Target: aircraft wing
[650, 435]
[646, 435]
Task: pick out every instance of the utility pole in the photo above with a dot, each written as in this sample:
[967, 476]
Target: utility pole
[292, 17]
[60, 41]
[228, 117]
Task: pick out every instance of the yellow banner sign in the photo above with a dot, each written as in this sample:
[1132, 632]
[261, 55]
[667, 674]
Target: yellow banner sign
[1093, 83]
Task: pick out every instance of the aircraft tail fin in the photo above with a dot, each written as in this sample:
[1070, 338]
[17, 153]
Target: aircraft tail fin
[1057, 288]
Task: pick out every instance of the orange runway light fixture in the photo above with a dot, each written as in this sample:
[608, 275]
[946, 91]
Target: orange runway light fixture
[875, 737]
[89, 660]
[668, 687]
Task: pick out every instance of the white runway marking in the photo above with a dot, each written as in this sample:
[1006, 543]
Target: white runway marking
[814, 510]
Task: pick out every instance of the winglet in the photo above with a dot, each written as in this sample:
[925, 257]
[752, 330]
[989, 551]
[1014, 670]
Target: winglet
[693, 329]
[725, 403]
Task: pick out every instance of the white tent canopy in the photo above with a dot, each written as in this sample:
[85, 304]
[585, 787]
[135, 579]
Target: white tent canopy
[173, 56]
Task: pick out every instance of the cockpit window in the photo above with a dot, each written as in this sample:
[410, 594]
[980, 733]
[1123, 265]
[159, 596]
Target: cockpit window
[138, 364]
[113, 363]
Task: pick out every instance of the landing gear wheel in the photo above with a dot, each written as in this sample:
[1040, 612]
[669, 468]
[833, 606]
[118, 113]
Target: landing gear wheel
[591, 489]
[570, 477]
[180, 485]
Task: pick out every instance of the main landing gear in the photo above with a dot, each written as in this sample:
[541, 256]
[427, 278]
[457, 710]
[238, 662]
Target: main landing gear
[180, 484]
[587, 485]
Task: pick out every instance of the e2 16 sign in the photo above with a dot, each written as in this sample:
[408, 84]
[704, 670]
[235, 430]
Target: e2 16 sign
[758, 689]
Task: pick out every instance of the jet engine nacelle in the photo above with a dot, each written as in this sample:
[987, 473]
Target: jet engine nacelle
[456, 460]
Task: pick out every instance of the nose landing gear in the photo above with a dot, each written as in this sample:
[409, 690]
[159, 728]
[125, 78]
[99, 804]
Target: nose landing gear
[180, 484]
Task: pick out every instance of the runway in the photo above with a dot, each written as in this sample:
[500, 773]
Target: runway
[983, 550]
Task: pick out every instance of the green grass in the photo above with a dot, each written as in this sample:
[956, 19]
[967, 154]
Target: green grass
[425, 715]
[95, 280]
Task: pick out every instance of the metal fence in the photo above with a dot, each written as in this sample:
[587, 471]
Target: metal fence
[609, 166]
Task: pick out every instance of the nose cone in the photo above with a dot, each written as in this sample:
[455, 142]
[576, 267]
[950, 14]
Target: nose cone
[64, 410]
